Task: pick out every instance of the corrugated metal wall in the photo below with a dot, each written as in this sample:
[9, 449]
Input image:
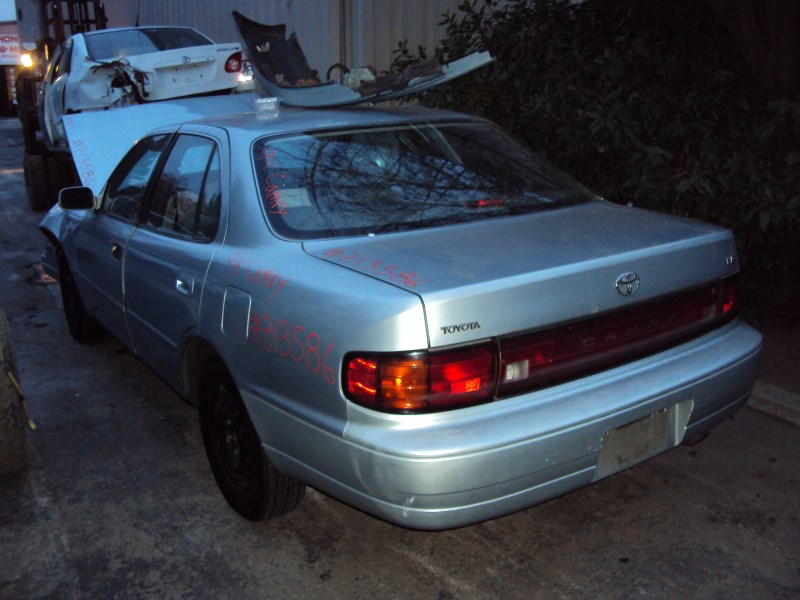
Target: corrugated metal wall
[371, 31]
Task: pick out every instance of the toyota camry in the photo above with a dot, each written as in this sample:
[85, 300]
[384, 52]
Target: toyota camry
[406, 309]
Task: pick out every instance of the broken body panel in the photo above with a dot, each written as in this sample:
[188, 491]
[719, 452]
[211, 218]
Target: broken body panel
[281, 68]
[79, 80]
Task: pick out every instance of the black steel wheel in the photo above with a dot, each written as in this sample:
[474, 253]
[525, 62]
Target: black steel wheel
[251, 485]
[82, 326]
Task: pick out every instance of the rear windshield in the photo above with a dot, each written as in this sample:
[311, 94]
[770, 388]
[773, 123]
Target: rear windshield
[381, 179]
[133, 42]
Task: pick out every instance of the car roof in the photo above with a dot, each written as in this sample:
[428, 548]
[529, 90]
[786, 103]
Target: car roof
[100, 152]
[292, 120]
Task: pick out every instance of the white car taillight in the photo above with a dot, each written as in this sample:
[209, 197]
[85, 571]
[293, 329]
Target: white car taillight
[234, 63]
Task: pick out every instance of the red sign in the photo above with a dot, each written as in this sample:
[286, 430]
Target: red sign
[9, 44]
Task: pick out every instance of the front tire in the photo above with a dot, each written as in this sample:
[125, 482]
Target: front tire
[82, 326]
[61, 173]
[251, 485]
[14, 453]
[37, 181]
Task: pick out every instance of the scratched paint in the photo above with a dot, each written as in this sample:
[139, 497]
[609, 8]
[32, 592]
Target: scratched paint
[375, 266]
[293, 342]
[83, 161]
[261, 276]
[272, 182]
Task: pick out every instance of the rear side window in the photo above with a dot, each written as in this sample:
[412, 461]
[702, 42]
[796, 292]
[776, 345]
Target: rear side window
[186, 196]
[61, 62]
[128, 183]
[374, 180]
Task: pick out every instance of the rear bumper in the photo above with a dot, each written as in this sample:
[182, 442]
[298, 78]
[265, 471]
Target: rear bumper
[461, 467]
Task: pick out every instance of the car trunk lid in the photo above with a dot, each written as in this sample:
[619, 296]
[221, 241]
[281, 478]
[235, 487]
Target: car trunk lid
[516, 274]
[184, 71]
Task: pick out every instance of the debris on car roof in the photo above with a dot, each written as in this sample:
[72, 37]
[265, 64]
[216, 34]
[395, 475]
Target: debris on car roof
[282, 70]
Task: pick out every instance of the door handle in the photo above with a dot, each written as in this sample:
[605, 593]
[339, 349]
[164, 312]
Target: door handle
[185, 285]
[116, 251]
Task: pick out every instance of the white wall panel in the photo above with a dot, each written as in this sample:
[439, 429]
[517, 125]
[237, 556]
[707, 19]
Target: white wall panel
[371, 32]
[374, 27]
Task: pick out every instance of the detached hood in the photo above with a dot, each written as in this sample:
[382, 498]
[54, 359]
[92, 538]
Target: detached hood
[280, 66]
[508, 275]
[100, 139]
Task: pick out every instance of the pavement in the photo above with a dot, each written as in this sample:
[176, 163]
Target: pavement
[777, 391]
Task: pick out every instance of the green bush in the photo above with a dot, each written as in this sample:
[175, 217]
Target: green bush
[648, 102]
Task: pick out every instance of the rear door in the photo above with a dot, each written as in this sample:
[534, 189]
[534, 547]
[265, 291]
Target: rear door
[167, 257]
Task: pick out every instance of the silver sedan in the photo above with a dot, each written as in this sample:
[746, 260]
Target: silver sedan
[405, 309]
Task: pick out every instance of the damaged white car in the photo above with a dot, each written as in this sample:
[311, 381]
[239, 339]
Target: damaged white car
[119, 67]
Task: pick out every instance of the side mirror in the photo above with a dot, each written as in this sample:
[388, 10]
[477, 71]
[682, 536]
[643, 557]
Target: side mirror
[76, 198]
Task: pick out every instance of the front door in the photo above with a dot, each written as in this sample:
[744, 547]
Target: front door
[102, 236]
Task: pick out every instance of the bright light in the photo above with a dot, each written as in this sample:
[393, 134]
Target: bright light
[246, 74]
[26, 60]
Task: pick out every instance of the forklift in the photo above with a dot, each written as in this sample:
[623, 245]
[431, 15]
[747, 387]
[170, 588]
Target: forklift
[47, 168]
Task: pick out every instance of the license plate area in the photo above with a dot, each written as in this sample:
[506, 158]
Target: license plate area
[645, 438]
[188, 74]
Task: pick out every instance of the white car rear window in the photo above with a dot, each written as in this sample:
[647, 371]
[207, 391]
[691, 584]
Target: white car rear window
[134, 42]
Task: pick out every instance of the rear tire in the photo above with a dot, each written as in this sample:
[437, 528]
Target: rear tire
[61, 174]
[14, 455]
[82, 326]
[37, 182]
[251, 485]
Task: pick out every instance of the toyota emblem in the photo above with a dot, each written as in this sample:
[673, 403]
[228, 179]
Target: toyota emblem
[628, 283]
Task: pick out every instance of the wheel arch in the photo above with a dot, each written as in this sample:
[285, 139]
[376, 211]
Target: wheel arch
[196, 353]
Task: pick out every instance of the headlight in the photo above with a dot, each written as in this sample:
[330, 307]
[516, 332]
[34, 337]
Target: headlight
[246, 74]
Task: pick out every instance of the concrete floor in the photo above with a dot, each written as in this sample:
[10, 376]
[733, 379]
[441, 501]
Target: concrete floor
[120, 502]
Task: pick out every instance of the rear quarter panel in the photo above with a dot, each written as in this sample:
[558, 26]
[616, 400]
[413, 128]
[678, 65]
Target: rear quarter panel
[283, 320]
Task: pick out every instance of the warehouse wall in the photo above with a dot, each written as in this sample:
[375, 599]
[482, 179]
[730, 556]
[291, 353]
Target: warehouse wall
[371, 31]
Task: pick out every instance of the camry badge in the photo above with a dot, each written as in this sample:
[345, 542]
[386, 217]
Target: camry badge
[628, 283]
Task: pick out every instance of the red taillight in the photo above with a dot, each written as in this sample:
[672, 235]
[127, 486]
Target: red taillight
[421, 381]
[418, 382]
[234, 63]
[730, 297]
[561, 353]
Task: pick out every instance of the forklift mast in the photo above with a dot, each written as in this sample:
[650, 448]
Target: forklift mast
[47, 170]
[67, 17]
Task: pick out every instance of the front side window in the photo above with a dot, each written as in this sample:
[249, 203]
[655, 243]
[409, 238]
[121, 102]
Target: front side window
[382, 179]
[128, 183]
[186, 196]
